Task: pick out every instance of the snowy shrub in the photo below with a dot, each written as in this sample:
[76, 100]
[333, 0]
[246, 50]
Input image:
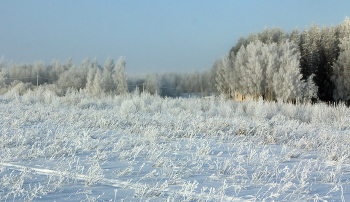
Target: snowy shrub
[20, 87]
[127, 107]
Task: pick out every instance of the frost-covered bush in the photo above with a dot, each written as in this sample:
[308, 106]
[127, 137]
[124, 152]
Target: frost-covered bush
[20, 87]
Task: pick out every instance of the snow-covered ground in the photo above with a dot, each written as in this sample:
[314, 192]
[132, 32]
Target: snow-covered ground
[147, 148]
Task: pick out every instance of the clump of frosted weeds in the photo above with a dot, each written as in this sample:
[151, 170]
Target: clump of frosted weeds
[128, 107]
[94, 174]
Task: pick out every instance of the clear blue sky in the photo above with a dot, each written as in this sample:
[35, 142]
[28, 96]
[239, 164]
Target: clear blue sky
[154, 36]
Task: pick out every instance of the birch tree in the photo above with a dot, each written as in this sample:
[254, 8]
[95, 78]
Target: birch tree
[287, 81]
[119, 77]
[98, 89]
[108, 71]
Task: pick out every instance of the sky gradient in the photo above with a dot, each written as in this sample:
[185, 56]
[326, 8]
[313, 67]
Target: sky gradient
[154, 36]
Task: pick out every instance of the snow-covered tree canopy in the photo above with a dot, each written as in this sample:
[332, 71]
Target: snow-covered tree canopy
[255, 67]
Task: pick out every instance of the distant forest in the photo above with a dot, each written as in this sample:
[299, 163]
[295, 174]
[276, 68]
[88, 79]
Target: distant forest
[310, 66]
[109, 79]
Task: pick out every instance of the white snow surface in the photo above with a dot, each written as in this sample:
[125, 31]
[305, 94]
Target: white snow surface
[147, 148]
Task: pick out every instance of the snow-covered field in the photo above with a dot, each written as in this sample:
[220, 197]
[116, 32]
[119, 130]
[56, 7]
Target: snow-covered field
[147, 148]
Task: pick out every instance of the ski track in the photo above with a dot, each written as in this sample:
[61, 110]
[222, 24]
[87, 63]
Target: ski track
[106, 182]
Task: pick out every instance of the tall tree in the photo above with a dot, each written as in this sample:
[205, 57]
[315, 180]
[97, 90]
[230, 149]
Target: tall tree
[98, 89]
[341, 72]
[119, 77]
[344, 28]
[264, 36]
[273, 65]
[108, 71]
[239, 64]
[328, 53]
[223, 75]
[295, 36]
[315, 35]
[241, 42]
[277, 35]
[253, 73]
[288, 84]
[305, 51]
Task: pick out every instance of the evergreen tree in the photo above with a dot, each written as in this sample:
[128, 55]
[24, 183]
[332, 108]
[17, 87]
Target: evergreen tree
[344, 29]
[264, 36]
[315, 35]
[341, 72]
[295, 36]
[315, 44]
[305, 51]
[314, 59]
[277, 35]
[328, 53]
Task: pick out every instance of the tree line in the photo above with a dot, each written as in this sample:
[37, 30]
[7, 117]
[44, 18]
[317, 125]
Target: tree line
[311, 65]
[60, 77]
[109, 79]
